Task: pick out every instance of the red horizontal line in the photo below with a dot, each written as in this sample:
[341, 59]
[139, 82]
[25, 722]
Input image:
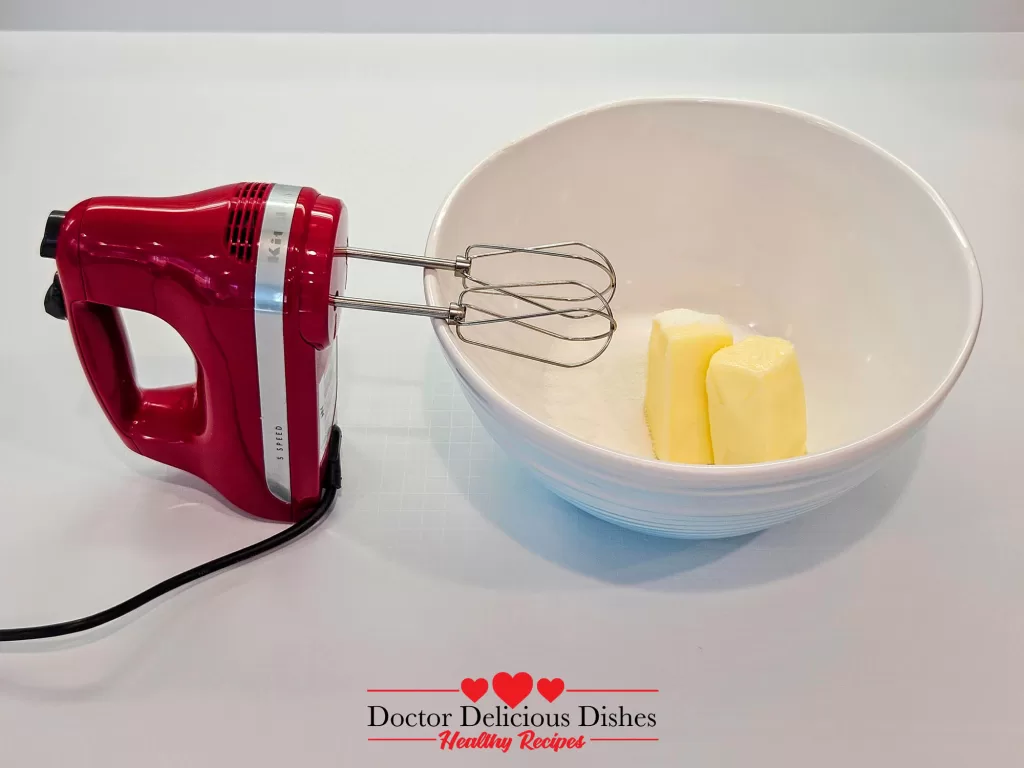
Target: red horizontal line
[567, 690]
[383, 739]
[625, 739]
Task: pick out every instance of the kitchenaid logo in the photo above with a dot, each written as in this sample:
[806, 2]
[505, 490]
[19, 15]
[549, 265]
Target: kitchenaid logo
[275, 245]
[509, 724]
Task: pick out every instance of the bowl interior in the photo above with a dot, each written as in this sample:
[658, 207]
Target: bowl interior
[781, 223]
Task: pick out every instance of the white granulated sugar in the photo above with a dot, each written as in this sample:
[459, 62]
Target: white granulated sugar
[603, 402]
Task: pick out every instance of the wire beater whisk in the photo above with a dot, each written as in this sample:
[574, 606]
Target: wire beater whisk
[565, 310]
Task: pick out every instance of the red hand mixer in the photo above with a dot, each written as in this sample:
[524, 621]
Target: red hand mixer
[251, 276]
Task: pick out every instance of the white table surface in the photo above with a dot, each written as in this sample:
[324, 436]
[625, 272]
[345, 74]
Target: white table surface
[886, 629]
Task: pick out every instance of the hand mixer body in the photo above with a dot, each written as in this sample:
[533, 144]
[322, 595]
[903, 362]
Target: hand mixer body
[244, 273]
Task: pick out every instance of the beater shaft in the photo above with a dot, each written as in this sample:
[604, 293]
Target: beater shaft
[458, 264]
[453, 313]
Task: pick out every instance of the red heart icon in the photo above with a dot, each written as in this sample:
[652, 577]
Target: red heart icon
[512, 690]
[550, 689]
[474, 689]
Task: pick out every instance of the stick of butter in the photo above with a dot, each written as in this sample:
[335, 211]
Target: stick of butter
[676, 403]
[756, 402]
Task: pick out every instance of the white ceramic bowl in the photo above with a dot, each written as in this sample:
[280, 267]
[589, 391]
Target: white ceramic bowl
[781, 222]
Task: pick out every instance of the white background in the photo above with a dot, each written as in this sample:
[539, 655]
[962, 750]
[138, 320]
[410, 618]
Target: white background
[539, 16]
[883, 630]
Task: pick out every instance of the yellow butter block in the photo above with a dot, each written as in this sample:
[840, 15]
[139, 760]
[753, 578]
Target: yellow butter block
[675, 403]
[756, 403]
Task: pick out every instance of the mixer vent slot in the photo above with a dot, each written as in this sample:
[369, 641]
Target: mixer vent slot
[243, 210]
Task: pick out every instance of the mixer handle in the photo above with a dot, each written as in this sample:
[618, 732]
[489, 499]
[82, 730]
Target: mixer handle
[160, 423]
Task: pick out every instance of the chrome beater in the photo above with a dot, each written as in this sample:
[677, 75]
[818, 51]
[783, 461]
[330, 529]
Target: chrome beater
[533, 304]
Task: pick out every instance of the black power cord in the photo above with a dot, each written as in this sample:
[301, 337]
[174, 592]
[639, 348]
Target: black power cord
[332, 481]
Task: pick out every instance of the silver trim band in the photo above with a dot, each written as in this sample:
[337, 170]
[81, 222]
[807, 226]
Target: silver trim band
[268, 307]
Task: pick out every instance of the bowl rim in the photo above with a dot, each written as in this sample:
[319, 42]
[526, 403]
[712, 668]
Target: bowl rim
[713, 474]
